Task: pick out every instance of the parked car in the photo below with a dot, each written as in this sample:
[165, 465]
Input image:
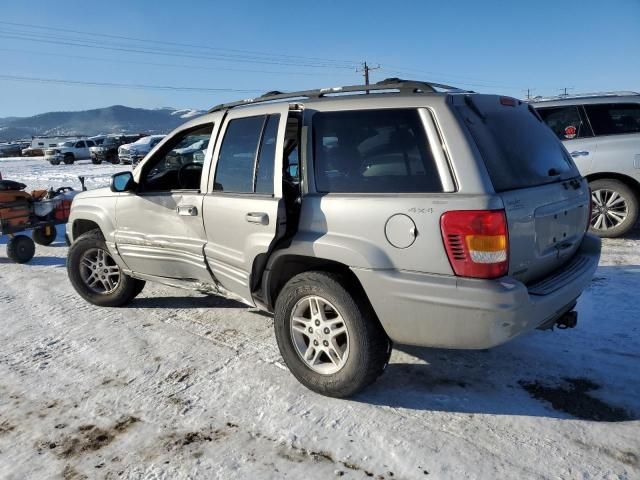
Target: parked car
[602, 133]
[69, 152]
[10, 150]
[108, 150]
[97, 139]
[132, 153]
[420, 215]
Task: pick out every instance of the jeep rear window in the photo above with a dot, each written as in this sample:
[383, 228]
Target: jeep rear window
[518, 148]
[373, 151]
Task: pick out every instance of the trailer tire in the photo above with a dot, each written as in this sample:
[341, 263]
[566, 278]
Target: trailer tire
[41, 237]
[21, 249]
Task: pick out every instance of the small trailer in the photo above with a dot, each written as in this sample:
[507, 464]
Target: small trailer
[39, 211]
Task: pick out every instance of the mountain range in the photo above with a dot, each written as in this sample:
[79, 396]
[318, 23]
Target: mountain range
[114, 119]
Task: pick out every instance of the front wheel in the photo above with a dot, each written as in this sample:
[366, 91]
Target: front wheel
[68, 159]
[95, 275]
[614, 208]
[330, 339]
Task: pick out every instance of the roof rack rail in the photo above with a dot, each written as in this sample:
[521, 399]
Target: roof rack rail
[403, 86]
[552, 98]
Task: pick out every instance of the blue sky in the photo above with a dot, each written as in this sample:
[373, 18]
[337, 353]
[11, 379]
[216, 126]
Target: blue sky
[486, 46]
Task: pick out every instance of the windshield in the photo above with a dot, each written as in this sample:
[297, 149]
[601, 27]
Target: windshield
[142, 141]
[66, 144]
[517, 147]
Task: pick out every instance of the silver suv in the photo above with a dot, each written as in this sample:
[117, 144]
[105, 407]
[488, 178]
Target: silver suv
[405, 212]
[602, 132]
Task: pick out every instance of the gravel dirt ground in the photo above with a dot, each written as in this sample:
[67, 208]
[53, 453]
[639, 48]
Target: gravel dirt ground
[182, 385]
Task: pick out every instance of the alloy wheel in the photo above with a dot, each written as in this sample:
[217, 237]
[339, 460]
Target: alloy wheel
[610, 209]
[99, 271]
[320, 336]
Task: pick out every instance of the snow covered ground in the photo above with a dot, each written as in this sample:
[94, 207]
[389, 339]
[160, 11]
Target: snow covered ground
[180, 385]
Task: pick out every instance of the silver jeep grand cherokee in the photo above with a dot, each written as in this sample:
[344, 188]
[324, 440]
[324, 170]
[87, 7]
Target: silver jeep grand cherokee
[416, 213]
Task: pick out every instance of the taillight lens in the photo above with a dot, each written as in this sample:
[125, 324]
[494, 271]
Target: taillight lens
[477, 242]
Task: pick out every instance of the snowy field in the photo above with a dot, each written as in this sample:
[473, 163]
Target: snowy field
[180, 385]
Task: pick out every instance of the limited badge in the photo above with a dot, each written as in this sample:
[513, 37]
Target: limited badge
[570, 132]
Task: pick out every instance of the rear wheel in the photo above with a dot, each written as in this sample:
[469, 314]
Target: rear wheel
[44, 235]
[614, 208]
[330, 339]
[21, 249]
[95, 275]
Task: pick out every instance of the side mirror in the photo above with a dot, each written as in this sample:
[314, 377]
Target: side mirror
[122, 182]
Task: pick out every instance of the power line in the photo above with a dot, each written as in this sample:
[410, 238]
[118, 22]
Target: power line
[125, 85]
[87, 44]
[91, 35]
[157, 64]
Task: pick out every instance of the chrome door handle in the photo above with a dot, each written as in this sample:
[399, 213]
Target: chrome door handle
[577, 153]
[187, 210]
[257, 217]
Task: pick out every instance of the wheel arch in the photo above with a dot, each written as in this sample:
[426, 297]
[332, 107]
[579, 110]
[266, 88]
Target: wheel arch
[282, 267]
[626, 179]
[81, 226]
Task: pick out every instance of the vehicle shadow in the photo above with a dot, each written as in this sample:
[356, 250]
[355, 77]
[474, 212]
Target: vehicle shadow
[41, 261]
[588, 373]
[173, 302]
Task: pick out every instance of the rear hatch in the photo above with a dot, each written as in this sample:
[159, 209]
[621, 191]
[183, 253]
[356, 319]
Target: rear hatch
[546, 201]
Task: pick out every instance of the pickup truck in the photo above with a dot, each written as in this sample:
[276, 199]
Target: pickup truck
[69, 152]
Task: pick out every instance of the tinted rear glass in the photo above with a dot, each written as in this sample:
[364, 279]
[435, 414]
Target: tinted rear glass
[373, 151]
[614, 118]
[517, 147]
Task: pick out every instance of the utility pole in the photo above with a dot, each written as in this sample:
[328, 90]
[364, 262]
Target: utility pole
[529, 91]
[565, 91]
[365, 71]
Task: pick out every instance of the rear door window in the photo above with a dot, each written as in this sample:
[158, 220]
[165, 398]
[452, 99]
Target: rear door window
[373, 151]
[565, 122]
[517, 147]
[247, 155]
[614, 118]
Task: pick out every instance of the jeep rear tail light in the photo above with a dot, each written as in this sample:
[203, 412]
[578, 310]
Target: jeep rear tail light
[477, 242]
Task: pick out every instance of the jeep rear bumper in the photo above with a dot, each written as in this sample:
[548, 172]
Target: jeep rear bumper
[465, 313]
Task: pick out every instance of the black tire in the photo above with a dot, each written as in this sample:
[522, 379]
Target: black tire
[96, 161]
[21, 249]
[68, 159]
[54, 162]
[369, 347]
[126, 288]
[139, 287]
[630, 200]
[41, 237]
